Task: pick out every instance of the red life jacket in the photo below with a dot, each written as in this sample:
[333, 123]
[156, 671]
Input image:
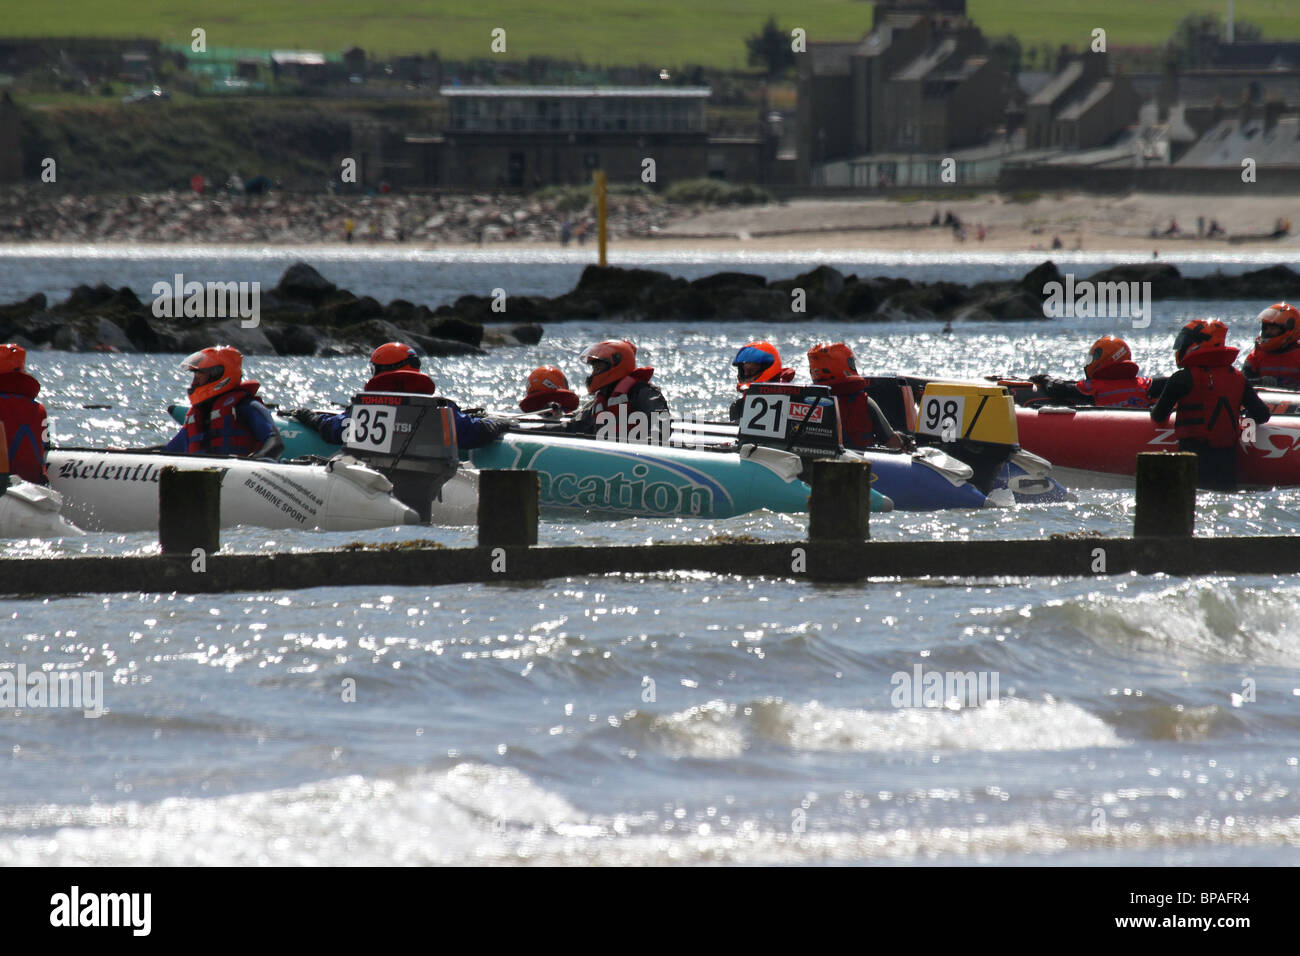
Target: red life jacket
[535, 402]
[404, 380]
[24, 420]
[221, 432]
[608, 398]
[857, 427]
[1211, 411]
[1117, 385]
[1283, 366]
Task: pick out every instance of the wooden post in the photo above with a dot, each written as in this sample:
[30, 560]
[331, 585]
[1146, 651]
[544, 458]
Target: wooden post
[598, 179]
[507, 508]
[189, 510]
[839, 507]
[1166, 494]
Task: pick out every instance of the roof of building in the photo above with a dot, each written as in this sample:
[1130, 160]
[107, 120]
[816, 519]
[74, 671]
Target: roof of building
[1226, 143]
[1263, 54]
[580, 92]
[1083, 104]
[1058, 85]
[928, 61]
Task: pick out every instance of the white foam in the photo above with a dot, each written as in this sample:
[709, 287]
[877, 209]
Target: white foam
[1000, 725]
[476, 814]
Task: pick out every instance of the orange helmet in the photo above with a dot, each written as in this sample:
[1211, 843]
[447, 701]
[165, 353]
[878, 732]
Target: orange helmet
[391, 356]
[546, 378]
[1106, 351]
[216, 371]
[13, 358]
[763, 354]
[1200, 334]
[1279, 327]
[610, 361]
[831, 363]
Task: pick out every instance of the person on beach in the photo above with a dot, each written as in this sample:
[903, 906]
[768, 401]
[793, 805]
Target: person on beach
[1275, 359]
[1209, 396]
[547, 386]
[23, 417]
[615, 381]
[862, 423]
[757, 362]
[1110, 379]
[225, 416]
[395, 367]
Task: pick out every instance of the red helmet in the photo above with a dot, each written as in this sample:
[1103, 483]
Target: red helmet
[546, 378]
[391, 356]
[1279, 327]
[13, 358]
[1106, 351]
[1200, 334]
[831, 363]
[763, 354]
[610, 361]
[216, 371]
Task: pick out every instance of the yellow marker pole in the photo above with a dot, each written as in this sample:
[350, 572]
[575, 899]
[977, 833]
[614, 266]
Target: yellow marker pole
[598, 179]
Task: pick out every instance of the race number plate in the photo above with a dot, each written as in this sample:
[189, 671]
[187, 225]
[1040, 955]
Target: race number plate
[765, 415]
[942, 416]
[370, 428]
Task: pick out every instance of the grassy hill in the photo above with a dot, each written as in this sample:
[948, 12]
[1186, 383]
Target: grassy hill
[657, 32]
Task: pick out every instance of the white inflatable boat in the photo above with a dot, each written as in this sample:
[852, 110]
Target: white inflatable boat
[118, 491]
[32, 511]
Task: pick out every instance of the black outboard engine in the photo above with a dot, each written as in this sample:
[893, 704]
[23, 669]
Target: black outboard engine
[411, 439]
[802, 419]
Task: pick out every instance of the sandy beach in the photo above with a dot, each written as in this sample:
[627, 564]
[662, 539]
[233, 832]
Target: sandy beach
[1066, 222]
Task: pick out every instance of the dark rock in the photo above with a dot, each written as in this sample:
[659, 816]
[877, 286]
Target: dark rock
[824, 281]
[21, 310]
[1040, 275]
[728, 281]
[350, 311]
[294, 339]
[857, 299]
[1013, 304]
[229, 332]
[1166, 281]
[303, 283]
[529, 334]
[435, 347]
[457, 329]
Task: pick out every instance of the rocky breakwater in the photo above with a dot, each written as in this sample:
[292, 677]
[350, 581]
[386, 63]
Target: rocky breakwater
[827, 294]
[305, 314]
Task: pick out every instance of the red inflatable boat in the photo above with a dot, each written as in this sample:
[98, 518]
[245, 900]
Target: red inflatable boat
[1106, 441]
[1099, 446]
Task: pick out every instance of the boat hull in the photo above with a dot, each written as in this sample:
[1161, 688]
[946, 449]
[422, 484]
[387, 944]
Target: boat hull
[1108, 441]
[578, 474]
[118, 491]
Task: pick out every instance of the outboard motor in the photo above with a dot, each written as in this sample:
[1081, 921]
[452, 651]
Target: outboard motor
[411, 439]
[974, 423]
[801, 419]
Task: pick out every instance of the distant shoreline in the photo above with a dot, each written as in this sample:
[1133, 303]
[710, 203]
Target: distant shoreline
[420, 222]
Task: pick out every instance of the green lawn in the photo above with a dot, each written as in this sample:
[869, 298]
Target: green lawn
[657, 32]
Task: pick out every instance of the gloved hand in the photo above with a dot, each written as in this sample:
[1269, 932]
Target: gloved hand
[1268, 381]
[304, 416]
[494, 428]
[1039, 379]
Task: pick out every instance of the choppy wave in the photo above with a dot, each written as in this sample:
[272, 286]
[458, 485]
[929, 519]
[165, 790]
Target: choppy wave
[475, 814]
